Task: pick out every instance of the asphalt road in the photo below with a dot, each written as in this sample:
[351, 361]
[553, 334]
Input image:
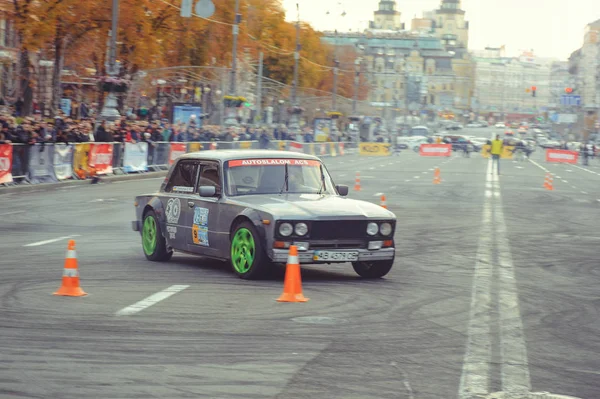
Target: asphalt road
[495, 289]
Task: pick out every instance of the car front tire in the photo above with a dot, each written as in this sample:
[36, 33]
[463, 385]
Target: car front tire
[154, 244]
[247, 254]
[373, 269]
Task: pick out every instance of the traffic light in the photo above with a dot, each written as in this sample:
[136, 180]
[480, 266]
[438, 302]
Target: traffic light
[569, 90]
[533, 90]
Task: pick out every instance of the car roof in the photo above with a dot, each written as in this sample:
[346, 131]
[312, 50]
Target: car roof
[227, 155]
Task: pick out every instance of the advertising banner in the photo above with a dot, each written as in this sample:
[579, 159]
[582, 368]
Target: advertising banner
[135, 158]
[435, 150]
[41, 164]
[63, 161]
[80, 159]
[6, 154]
[561, 156]
[100, 158]
[295, 147]
[374, 149]
[176, 150]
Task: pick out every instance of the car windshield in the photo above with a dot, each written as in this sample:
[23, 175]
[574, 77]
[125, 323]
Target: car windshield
[268, 176]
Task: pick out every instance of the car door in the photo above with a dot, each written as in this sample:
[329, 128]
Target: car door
[202, 213]
[177, 192]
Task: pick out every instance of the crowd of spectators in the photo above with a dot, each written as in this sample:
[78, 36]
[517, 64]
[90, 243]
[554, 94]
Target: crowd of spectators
[63, 129]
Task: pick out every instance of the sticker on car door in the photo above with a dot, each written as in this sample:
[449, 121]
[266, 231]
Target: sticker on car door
[200, 227]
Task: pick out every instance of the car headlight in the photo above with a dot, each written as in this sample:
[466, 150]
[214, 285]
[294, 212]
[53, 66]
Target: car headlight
[301, 229]
[286, 229]
[372, 229]
[385, 229]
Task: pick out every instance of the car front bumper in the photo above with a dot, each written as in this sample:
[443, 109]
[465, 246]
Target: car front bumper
[364, 255]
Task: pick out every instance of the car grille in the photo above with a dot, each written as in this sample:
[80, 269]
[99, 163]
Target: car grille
[338, 230]
[337, 244]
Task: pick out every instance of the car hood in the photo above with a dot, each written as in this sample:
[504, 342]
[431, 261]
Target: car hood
[313, 206]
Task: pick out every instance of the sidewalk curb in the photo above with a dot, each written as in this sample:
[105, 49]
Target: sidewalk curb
[24, 188]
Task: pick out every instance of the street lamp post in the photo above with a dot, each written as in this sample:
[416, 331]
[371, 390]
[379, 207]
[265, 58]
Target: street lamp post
[356, 82]
[231, 119]
[109, 111]
[295, 109]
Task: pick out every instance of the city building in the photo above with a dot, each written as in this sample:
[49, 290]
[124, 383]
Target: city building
[511, 88]
[9, 51]
[426, 70]
[584, 66]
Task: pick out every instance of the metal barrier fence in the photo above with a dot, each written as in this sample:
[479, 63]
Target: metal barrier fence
[47, 163]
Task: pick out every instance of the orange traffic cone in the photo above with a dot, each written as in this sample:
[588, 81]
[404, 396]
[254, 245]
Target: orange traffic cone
[549, 184]
[383, 202]
[436, 176]
[357, 182]
[70, 280]
[292, 285]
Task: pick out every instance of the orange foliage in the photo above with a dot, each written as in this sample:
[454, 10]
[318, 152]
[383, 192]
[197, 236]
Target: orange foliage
[152, 34]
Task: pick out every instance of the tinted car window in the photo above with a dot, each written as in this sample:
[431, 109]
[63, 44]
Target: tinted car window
[183, 178]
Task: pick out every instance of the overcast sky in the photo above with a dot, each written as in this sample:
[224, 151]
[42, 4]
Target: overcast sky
[552, 28]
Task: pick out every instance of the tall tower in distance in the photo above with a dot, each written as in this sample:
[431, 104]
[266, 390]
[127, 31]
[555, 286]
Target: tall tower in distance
[387, 16]
[450, 25]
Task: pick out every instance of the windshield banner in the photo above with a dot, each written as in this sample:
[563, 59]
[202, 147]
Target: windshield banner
[561, 156]
[273, 162]
[435, 150]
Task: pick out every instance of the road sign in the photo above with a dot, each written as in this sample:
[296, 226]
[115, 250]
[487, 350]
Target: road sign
[205, 8]
[570, 100]
[186, 8]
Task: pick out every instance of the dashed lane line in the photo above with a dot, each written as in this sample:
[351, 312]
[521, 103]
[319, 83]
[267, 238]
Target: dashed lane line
[11, 213]
[151, 300]
[38, 243]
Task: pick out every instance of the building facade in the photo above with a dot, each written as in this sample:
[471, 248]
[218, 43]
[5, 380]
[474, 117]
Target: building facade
[424, 70]
[8, 56]
[504, 86]
[584, 67]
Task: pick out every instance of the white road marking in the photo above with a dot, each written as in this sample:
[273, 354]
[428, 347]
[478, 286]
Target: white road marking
[11, 213]
[151, 300]
[407, 180]
[372, 168]
[393, 187]
[564, 181]
[423, 172]
[417, 177]
[38, 243]
[342, 175]
[584, 192]
[569, 170]
[476, 366]
[587, 170]
[377, 194]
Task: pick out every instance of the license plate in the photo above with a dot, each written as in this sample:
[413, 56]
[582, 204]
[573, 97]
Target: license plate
[348, 256]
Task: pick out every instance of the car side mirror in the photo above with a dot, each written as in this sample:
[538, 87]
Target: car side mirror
[342, 190]
[207, 191]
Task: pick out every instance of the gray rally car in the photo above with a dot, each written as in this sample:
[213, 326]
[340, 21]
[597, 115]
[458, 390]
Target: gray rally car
[248, 207]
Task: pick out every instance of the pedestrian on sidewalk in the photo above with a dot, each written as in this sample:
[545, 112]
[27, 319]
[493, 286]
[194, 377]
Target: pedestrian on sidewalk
[496, 151]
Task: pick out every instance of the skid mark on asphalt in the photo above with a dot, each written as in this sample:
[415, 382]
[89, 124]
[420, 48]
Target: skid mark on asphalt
[151, 300]
[494, 267]
[11, 213]
[38, 243]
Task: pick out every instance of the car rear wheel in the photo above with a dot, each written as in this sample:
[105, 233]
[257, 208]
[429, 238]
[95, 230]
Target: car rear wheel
[247, 256]
[153, 242]
[373, 269]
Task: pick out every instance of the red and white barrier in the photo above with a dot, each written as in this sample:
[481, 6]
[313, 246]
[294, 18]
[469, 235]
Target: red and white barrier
[175, 151]
[100, 158]
[561, 156]
[435, 150]
[6, 156]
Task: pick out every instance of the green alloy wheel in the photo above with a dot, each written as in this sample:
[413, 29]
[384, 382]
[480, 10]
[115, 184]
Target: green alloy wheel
[248, 259]
[153, 242]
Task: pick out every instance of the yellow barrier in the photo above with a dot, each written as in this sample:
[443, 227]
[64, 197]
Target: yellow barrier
[332, 147]
[312, 149]
[507, 151]
[374, 149]
[194, 147]
[80, 159]
[245, 145]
